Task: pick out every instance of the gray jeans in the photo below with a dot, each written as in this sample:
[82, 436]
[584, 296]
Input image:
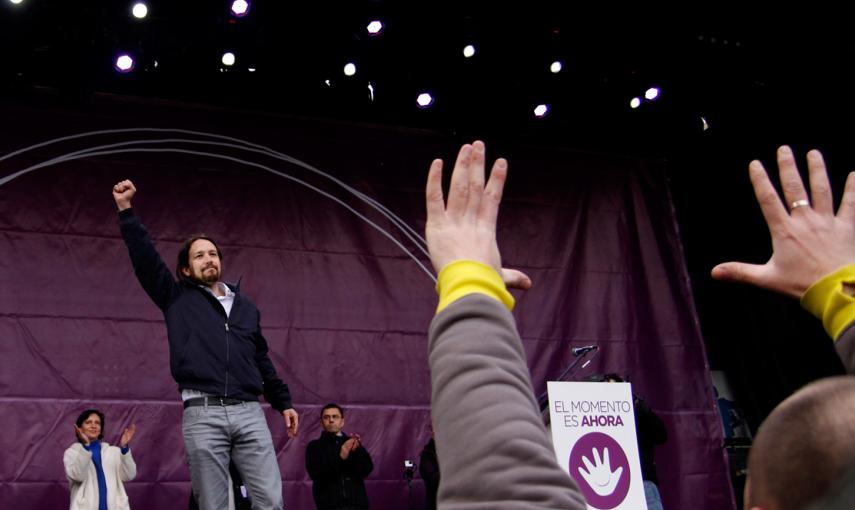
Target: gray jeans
[212, 435]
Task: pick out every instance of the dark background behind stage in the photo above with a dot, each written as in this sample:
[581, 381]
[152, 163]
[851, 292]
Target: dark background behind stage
[618, 214]
[345, 311]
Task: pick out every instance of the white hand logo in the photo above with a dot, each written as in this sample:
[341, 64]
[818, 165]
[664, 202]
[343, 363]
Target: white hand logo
[599, 475]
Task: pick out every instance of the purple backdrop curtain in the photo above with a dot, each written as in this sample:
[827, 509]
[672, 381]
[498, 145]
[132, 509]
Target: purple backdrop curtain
[344, 309]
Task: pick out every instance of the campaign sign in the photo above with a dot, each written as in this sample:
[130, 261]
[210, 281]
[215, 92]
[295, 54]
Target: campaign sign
[593, 432]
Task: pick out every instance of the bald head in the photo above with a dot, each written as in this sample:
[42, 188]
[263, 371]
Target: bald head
[803, 446]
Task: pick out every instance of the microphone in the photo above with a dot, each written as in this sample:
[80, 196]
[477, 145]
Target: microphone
[578, 351]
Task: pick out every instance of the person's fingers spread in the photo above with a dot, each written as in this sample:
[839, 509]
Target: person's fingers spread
[515, 279]
[458, 191]
[738, 272]
[791, 181]
[489, 208]
[770, 204]
[433, 191]
[476, 177]
[820, 189]
[847, 203]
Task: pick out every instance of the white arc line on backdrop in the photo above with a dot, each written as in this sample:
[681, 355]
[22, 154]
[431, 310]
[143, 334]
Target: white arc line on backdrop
[402, 226]
[97, 151]
[263, 149]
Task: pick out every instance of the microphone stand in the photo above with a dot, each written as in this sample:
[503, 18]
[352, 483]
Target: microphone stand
[408, 475]
[543, 399]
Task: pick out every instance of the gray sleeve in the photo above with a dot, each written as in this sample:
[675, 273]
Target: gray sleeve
[493, 448]
[845, 346]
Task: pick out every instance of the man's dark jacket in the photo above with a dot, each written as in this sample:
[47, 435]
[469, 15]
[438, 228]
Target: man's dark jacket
[337, 482]
[208, 352]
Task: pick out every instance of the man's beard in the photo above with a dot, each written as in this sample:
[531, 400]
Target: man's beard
[207, 278]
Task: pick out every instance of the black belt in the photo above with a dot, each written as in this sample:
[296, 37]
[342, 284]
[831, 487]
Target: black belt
[212, 401]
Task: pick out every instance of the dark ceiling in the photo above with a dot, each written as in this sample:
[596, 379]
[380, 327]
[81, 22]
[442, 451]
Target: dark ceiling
[759, 77]
[736, 68]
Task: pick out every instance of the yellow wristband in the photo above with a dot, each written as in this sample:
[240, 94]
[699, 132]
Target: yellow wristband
[463, 277]
[826, 300]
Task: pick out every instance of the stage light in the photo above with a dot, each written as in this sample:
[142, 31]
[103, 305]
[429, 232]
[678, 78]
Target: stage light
[228, 59]
[124, 63]
[635, 103]
[469, 51]
[16, 2]
[541, 110]
[371, 91]
[139, 10]
[424, 100]
[556, 67]
[652, 93]
[240, 8]
[349, 69]
[375, 27]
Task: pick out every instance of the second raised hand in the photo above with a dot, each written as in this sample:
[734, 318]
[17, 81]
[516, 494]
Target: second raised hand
[808, 241]
[465, 227]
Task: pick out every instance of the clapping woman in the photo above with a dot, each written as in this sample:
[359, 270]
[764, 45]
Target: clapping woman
[95, 469]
